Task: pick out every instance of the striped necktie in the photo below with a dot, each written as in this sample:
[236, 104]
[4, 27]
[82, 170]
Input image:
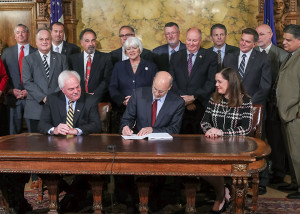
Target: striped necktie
[219, 58]
[46, 66]
[242, 66]
[70, 115]
[190, 64]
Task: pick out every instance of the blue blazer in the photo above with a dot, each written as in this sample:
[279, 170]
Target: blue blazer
[139, 110]
[123, 81]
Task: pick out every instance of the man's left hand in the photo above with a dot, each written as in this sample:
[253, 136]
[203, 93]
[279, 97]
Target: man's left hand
[144, 131]
[73, 131]
[188, 99]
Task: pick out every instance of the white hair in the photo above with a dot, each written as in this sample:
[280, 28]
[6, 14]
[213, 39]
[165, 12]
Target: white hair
[66, 75]
[133, 42]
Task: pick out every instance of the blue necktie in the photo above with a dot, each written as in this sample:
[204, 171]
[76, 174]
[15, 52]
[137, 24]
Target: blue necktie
[242, 66]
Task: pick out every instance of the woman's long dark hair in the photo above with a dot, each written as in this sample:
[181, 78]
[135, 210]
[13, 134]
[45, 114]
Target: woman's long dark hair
[235, 88]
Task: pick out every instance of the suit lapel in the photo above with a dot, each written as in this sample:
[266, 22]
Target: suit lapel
[52, 64]
[149, 99]
[41, 65]
[64, 48]
[184, 65]
[78, 108]
[94, 64]
[162, 111]
[250, 64]
[62, 107]
[198, 61]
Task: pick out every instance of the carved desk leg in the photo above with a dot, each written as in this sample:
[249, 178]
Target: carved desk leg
[239, 191]
[4, 206]
[52, 184]
[255, 183]
[97, 185]
[190, 191]
[143, 188]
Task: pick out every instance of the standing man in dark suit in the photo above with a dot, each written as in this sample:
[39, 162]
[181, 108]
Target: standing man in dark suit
[288, 97]
[193, 71]
[16, 94]
[40, 71]
[163, 53]
[57, 117]
[253, 66]
[218, 34]
[94, 67]
[119, 54]
[58, 43]
[274, 131]
[165, 114]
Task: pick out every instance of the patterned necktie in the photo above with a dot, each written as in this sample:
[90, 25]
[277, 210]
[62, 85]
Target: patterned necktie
[46, 66]
[172, 51]
[70, 115]
[57, 49]
[154, 109]
[21, 56]
[190, 64]
[219, 58]
[88, 71]
[242, 66]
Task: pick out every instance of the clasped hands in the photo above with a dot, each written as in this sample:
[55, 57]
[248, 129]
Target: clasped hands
[19, 94]
[189, 102]
[127, 131]
[214, 133]
[64, 129]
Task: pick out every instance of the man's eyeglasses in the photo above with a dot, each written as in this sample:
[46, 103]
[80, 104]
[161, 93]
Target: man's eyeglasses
[126, 35]
[171, 33]
[158, 91]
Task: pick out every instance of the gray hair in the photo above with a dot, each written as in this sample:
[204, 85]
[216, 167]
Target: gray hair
[40, 29]
[133, 42]
[63, 76]
[21, 25]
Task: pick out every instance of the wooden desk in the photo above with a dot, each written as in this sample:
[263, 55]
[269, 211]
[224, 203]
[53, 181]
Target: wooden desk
[185, 155]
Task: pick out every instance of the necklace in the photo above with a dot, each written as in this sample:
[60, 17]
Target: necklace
[135, 66]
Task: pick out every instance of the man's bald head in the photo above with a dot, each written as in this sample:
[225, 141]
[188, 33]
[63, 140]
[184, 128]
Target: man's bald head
[162, 83]
[264, 35]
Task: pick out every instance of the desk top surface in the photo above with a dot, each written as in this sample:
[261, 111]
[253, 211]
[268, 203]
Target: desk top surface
[92, 144]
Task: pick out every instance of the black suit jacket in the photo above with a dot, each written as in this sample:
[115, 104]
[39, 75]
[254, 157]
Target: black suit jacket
[201, 83]
[86, 115]
[228, 49]
[257, 78]
[69, 49]
[161, 56]
[139, 110]
[116, 55]
[100, 73]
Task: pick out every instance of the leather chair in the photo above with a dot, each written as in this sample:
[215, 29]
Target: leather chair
[257, 121]
[104, 112]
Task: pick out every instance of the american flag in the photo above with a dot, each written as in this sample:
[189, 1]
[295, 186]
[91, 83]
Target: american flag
[56, 12]
[269, 18]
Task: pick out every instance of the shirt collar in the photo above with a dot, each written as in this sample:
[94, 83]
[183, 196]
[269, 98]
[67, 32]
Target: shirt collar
[85, 54]
[190, 52]
[25, 46]
[175, 49]
[42, 55]
[222, 49]
[59, 46]
[162, 99]
[247, 54]
[267, 48]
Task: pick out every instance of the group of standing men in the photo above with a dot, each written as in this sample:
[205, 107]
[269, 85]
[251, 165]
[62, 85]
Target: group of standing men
[269, 75]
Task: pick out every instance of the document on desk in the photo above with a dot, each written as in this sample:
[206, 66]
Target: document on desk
[152, 136]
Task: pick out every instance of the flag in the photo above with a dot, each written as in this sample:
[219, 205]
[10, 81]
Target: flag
[269, 18]
[56, 12]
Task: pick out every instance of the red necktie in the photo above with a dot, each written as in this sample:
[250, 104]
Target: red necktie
[21, 56]
[154, 109]
[88, 71]
[190, 64]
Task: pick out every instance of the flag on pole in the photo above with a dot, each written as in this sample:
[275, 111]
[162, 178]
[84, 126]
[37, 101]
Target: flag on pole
[56, 12]
[269, 18]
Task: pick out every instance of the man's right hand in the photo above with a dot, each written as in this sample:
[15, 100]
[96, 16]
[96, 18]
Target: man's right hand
[127, 131]
[62, 129]
[17, 93]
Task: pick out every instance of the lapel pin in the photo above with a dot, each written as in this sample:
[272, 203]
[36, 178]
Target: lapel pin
[200, 56]
[146, 68]
[78, 110]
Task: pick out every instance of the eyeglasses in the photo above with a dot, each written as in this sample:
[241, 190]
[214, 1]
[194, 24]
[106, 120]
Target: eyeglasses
[158, 91]
[171, 33]
[126, 35]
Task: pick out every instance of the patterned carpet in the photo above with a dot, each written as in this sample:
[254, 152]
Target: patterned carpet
[265, 205]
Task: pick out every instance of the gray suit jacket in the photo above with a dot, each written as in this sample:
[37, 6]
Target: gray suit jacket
[36, 82]
[288, 92]
[139, 110]
[11, 62]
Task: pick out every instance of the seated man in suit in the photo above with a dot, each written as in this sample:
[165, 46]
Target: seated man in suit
[119, 54]
[163, 53]
[166, 113]
[218, 35]
[69, 111]
[58, 43]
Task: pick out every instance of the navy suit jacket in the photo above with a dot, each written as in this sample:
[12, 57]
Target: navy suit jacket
[69, 49]
[86, 115]
[116, 55]
[139, 110]
[161, 56]
[123, 81]
[258, 76]
[100, 73]
[11, 63]
[201, 83]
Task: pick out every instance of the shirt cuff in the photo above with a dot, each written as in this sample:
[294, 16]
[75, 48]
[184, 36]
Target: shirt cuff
[79, 131]
[50, 131]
